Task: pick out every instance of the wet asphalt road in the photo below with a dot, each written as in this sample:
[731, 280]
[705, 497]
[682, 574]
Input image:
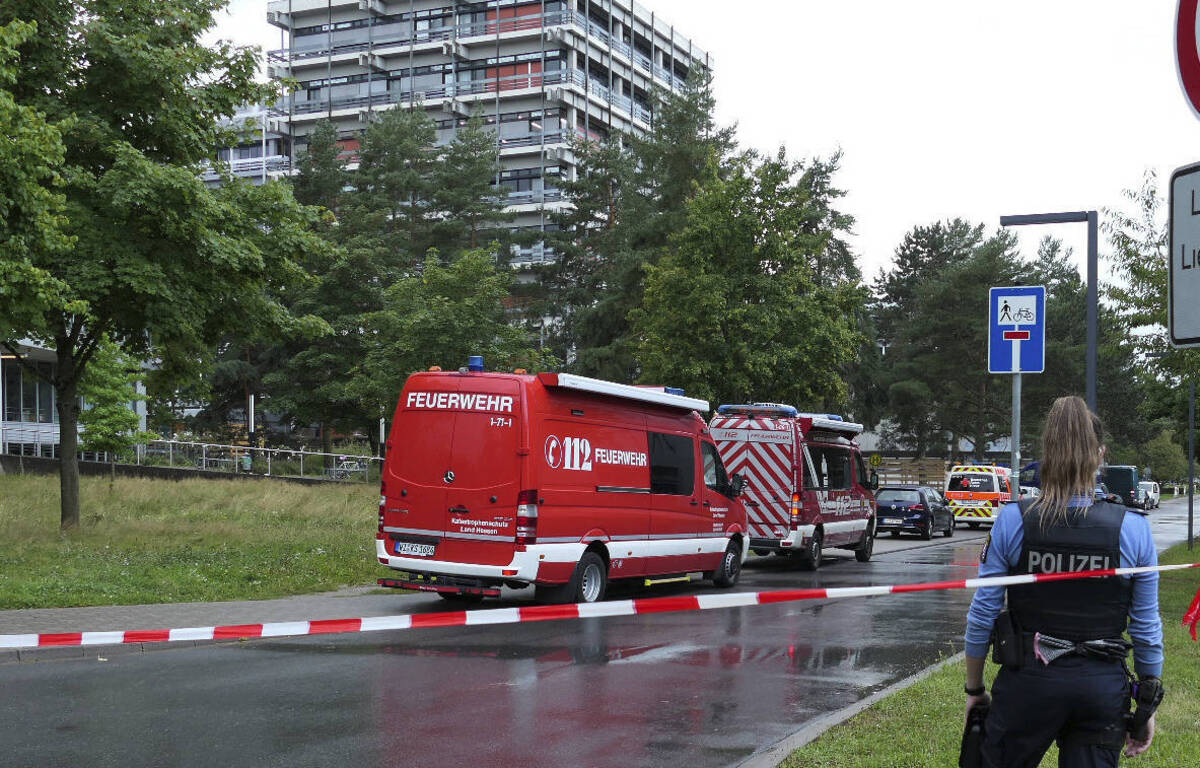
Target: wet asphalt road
[695, 689]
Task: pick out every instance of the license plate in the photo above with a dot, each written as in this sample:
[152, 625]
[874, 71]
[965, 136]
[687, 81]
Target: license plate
[892, 521]
[413, 548]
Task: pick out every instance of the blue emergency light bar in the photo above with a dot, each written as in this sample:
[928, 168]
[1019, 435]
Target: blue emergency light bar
[758, 409]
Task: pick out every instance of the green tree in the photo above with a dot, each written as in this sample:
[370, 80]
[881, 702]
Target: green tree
[440, 317]
[387, 210]
[321, 175]
[733, 311]
[31, 224]
[463, 191]
[109, 388]
[591, 245]
[902, 304]
[379, 226]
[642, 195]
[162, 265]
[1165, 457]
[1139, 259]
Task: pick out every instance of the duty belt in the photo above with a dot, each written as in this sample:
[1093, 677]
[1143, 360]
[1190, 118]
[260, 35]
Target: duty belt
[1046, 648]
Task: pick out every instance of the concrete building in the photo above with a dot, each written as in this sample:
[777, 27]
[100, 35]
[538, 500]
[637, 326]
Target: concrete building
[29, 405]
[539, 72]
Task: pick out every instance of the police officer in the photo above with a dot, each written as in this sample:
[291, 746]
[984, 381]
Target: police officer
[1064, 675]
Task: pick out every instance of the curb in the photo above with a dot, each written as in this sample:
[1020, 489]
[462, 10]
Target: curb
[100, 652]
[775, 754]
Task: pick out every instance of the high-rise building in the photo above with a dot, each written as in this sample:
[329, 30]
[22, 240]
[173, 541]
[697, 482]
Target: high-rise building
[538, 72]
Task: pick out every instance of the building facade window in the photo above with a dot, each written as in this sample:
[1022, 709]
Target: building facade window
[28, 398]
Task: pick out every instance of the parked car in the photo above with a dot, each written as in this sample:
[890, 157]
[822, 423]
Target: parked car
[913, 509]
[1148, 494]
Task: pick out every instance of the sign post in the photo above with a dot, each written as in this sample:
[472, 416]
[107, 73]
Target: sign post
[1017, 344]
[1183, 281]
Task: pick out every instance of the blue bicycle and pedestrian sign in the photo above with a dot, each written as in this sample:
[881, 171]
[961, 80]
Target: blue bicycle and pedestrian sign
[1017, 329]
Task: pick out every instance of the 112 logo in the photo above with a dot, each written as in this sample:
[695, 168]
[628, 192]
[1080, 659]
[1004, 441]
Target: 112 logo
[573, 453]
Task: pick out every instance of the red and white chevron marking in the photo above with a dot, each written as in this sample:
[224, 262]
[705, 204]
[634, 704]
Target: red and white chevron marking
[535, 612]
[767, 468]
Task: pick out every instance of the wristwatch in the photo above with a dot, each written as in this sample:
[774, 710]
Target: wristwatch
[975, 691]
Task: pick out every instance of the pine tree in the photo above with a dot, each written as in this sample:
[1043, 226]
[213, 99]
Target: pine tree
[463, 193]
[321, 172]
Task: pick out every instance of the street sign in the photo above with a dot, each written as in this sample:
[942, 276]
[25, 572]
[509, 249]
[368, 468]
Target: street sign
[1017, 329]
[1183, 271]
[876, 460]
[1187, 57]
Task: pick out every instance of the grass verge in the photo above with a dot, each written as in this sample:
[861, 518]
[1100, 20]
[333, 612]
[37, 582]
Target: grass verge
[921, 726]
[163, 541]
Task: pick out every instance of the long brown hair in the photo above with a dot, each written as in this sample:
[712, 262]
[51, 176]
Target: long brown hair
[1071, 444]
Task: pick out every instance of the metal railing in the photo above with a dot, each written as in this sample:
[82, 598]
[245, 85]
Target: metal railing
[211, 457]
[266, 462]
[469, 87]
[247, 166]
[483, 29]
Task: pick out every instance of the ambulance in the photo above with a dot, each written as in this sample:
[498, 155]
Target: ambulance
[553, 480]
[807, 487]
[976, 492]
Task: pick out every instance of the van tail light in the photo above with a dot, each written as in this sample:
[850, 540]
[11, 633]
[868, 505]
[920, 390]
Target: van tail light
[527, 515]
[796, 510]
[382, 503]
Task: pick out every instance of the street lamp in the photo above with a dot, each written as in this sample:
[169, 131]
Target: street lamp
[1071, 217]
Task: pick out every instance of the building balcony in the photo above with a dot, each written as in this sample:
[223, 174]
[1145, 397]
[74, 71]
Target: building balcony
[272, 166]
[486, 30]
[530, 256]
[533, 197]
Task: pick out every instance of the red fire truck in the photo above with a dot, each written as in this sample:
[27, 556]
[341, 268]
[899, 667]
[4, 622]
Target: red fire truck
[807, 487]
[555, 480]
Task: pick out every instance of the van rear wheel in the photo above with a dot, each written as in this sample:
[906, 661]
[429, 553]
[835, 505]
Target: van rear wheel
[810, 559]
[587, 584]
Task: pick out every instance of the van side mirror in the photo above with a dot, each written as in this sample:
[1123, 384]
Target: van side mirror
[737, 484]
[873, 483]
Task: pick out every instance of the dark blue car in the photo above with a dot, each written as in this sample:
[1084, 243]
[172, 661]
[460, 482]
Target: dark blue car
[912, 509]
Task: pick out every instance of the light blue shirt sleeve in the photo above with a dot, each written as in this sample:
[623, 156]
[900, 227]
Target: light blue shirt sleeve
[1145, 623]
[1003, 552]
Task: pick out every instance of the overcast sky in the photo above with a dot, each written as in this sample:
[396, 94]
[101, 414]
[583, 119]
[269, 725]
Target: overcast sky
[942, 108]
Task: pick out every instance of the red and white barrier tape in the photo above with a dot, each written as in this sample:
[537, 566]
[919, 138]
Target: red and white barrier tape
[535, 612]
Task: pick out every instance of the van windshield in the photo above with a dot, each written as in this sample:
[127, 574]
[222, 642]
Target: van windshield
[972, 481]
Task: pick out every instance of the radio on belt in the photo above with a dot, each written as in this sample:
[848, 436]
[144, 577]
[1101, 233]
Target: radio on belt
[553, 480]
